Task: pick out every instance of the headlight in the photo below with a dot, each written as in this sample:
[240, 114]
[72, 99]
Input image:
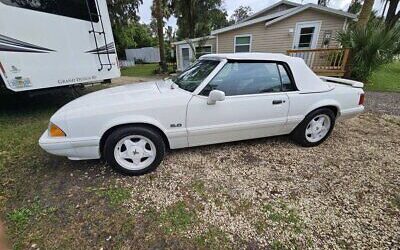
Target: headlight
[55, 131]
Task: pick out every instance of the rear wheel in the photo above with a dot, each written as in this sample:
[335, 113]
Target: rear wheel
[315, 128]
[134, 150]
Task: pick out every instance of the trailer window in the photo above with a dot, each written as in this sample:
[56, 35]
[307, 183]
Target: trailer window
[68, 8]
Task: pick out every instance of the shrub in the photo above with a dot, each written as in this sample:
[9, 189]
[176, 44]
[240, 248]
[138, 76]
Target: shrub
[371, 47]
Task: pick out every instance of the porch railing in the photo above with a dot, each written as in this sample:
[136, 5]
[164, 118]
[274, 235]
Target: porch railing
[325, 62]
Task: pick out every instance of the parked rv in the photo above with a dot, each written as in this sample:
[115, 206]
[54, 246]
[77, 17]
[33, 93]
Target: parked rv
[46, 44]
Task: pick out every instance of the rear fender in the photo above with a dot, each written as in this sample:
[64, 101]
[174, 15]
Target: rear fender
[324, 103]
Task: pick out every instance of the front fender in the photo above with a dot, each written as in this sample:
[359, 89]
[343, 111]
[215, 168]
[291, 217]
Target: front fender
[132, 119]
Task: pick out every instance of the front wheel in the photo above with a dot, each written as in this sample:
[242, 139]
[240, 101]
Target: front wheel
[315, 128]
[134, 150]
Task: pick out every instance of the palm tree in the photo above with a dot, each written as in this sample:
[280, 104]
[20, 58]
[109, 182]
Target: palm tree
[393, 15]
[365, 13]
[160, 33]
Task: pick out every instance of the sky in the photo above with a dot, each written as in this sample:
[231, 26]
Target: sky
[256, 5]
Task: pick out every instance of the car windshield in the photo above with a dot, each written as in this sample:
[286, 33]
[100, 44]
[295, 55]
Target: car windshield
[192, 77]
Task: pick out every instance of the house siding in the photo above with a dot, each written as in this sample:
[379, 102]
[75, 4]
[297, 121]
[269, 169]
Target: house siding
[212, 42]
[276, 38]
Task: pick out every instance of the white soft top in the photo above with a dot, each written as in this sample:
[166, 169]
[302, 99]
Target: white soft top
[306, 80]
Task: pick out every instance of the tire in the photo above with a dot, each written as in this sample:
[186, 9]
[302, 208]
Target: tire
[311, 134]
[134, 150]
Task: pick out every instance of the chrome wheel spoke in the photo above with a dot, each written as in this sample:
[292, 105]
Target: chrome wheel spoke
[135, 160]
[147, 153]
[128, 144]
[141, 143]
[124, 154]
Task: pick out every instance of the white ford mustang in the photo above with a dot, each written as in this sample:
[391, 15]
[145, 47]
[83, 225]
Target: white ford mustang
[221, 98]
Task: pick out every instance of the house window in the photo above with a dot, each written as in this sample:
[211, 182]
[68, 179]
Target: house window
[242, 43]
[306, 36]
[203, 50]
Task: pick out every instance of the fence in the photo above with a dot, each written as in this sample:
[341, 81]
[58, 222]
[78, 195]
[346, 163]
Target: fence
[146, 55]
[126, 63]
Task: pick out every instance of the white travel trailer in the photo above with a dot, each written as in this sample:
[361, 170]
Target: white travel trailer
[54, 43]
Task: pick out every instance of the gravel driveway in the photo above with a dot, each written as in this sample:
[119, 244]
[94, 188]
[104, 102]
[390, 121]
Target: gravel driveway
[383, 102]
[259, 194]
[272, 193]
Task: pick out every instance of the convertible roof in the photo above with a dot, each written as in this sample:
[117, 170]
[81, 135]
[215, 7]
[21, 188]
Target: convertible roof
[306, 80]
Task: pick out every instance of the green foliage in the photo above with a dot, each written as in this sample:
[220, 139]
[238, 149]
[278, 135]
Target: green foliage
[371, 46]
[355, 7]
[277, 245]
[395, 201]
[116, 196]
[140, 70]
[21, 217]
[177, 218]
[385, 78]
[198, 18]
[280, 213]
[242, 12]
[199, 187]
[135, 35]
[213, 238]
[123, 12]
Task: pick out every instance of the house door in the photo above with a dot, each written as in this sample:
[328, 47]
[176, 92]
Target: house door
[185, 58]
[306, 37]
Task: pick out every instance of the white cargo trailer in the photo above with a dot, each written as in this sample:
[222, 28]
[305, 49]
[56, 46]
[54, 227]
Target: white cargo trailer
[54, 43]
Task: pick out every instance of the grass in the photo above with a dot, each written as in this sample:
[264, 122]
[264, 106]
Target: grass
[116, 195]
[143, 70]
[282, 214]
[140, 70]
[385, 79]
[213, 238]
[59, 204]
[176, 218]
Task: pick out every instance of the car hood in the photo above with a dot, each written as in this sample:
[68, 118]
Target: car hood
[115, 95]
[136, 94]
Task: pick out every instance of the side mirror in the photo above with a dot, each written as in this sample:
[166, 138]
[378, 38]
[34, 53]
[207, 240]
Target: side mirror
[215, 96]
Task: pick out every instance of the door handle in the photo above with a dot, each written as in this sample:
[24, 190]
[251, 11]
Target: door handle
[276, 102]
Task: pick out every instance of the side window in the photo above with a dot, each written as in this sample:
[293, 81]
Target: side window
[48, 6]
[245, 78]
[69, 8]
[78, 9]
[287, 83]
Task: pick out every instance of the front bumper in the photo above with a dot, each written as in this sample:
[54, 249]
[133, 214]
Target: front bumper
[74, 149]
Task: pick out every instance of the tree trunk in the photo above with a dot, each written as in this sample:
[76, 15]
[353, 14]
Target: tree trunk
[365, 14]
[192, 25]
[160, 34]
[384, 8]
[392, 17]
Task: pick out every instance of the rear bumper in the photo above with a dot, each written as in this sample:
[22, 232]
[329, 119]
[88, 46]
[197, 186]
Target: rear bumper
[74, 149]
[350, 113]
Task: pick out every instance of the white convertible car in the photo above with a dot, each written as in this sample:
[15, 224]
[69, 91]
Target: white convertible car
[220, 98]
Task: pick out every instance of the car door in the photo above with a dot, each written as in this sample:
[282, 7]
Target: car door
[254, 107]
